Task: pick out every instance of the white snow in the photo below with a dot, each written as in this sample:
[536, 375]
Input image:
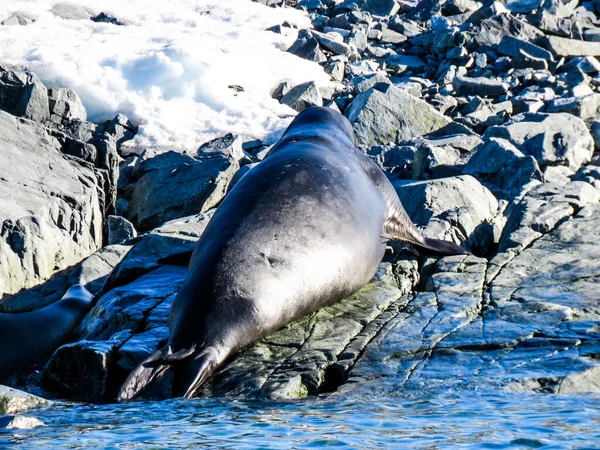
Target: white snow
[169, 69]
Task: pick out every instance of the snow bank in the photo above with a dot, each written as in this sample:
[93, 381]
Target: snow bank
[170, 68]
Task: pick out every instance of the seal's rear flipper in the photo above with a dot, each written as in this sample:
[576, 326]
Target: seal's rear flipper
[199, 369]
[443, 248]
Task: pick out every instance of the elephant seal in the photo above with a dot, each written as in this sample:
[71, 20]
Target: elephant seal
[32, 337]
[303, 229]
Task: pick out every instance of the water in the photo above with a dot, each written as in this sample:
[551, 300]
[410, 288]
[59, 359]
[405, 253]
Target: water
[451, 420]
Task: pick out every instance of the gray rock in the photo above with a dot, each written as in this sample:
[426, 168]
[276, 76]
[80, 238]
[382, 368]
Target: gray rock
[558, 138]
[65, 104]
[436, 162]
[522, 6]
[595, 130]
[119, 230]
[13, 401]
[381, 8]
[11, 422]
[92, 273]
[381, 118]
[334, 42]
[174, 238]
[554, 17]
[51, 205]
[481, 86]
[122, 129]
[389, 36]
[302, 96]
[448, 208]
[335, 69]
[71, 11]
[455, 7]
[172, 185]
[18, 19]
[229, 146]
[493, 29]
[542, 210]
[569, 47]
[307, 47]
[584, 107]
[377, 80]
[503, 169]
[23, 94]
[391, 158]
[511, 46]
[530, 326]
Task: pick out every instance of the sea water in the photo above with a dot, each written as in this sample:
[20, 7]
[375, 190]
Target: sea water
[418, 420]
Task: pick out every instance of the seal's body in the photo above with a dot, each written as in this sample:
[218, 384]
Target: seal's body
[32, 337]
[305, 228]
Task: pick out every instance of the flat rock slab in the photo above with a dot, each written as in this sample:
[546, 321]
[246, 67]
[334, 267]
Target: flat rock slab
[533, 327]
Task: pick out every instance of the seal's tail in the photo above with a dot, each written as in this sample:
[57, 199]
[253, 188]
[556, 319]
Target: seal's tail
[443, 248]
[164, 374]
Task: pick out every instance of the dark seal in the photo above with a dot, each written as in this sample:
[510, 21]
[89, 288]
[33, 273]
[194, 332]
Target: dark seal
[305, 228]
[31, 337]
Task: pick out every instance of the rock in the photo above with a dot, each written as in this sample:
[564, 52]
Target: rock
[448, 208]
[377, 80]
[455, 7]
[558, 138]
[307, 47]
[493, 29]
[17, 19]
[19, 422]
[119, 230]
[511, 46]
[122, 129]
[391, 158]
[381, 118]
[522, 6]
[158, 247]
[531, 326]
[334, 42]
[381, 8]
[542, 210]
[481, 86]
[584, 107]
[13, 401]
[436, 162]
[108, 18]
[229, 146]
[71, 11]
[51, 205]
[172, 185]
[65, 104]
[502, 168]
[569, 47]
[595, 130]
[302, 96]
[23, 94]
[554, 17]
[335, 69]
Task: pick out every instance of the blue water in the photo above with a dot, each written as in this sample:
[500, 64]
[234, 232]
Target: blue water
[452, 420]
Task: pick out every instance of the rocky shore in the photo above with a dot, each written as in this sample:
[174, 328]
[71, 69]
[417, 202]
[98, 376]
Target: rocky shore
[485, 117]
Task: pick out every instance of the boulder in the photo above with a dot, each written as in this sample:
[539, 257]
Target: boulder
[392, 116]
[172, 185]
[455, 209]
[302, 96]
[503, 168]
[52, 205]
[23, 94]
[65, 104]
[481, 86]
[551, 139]
[13, 401]
[307, 47]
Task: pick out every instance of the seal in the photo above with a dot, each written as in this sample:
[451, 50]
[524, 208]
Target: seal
[303, 229]
[32, 337]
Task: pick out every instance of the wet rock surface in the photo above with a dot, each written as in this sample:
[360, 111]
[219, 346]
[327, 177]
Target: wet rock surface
[484, 116]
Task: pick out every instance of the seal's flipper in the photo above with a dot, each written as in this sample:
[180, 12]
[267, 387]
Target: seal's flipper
[199, 369]
[443, 248]
[398, 226]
